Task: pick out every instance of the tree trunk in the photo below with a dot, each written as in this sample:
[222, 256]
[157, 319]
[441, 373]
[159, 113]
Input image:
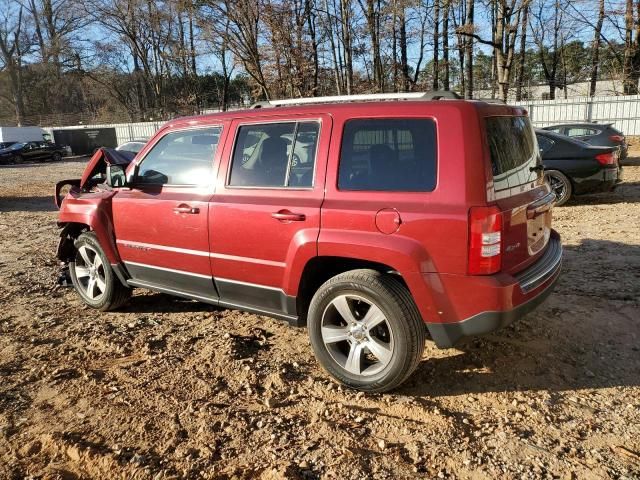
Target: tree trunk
[523, 51]
[445, 43]
[595, 49]
[311, 23]
[468, 52]
[404, 63]
[345, 20]
[394, 46]
[372, 15]
[436, 45]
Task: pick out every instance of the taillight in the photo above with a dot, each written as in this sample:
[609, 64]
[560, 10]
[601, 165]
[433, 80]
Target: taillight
[616, 138]
[485, 240]
[608, 158]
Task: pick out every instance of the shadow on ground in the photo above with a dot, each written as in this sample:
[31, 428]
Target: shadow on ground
[585, 336]
[80, 159]
[43, 203]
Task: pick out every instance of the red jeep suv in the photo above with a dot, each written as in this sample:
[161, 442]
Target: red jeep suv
[373, 220]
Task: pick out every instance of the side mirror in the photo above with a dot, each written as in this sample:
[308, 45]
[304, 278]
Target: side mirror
[116, 176]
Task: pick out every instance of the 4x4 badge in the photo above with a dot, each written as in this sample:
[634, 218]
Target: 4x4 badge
[511, 248]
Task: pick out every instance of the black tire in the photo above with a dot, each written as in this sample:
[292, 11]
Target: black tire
[56, 157]
[18, 159]
[560, 184]
[113, 294]
[402, 321]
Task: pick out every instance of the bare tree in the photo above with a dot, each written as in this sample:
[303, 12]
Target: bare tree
[549, 33]
[12, 47]
[631, 66]
[595, 49]
[522, 57]
[436, 44]
[244, 36]
[446, 7]
[371, 11]
[506, 26]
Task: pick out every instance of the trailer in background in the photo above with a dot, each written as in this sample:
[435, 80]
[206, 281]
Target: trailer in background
[23, 134]
[85, 141]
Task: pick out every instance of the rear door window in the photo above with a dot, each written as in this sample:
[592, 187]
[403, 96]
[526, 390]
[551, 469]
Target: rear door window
[275, 155]
[389, 155]
[514, 150]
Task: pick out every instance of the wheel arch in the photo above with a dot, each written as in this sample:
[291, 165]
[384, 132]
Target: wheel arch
[319, 269]
[68, 235]
[99, 222]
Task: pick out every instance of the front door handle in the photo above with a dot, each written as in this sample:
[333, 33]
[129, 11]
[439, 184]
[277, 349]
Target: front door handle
[287, 216]
[182, 208]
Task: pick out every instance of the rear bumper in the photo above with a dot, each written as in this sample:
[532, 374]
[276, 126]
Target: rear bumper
[604, 180]
[524, 292]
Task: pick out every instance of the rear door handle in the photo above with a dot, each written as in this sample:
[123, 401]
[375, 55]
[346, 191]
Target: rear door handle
[287, 216]
[182, 208]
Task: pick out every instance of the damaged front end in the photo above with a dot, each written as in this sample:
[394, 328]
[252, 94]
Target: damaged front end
[85, 204]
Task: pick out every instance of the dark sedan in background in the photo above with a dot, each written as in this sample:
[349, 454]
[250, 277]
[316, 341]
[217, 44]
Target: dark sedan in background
[32, 151]
[573, 167]
[597, 134]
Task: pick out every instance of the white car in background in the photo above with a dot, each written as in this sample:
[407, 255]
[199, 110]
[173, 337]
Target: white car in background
[134, 146]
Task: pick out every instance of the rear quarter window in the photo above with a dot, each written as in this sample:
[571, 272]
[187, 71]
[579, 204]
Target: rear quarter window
[514, 150]
[390, 155]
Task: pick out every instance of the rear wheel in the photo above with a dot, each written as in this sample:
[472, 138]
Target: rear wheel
[56, 157]
[365, 330]
[93, 277]
[560, 184]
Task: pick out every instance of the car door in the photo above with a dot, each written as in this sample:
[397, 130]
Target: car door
[44, 151]
[265, 215]
[31, 152]
[161, 221]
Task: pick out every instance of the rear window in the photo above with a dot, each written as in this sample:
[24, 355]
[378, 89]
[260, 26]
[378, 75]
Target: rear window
[513, 149]
[389, 155]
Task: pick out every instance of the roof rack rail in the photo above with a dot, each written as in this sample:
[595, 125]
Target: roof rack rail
[434, 95]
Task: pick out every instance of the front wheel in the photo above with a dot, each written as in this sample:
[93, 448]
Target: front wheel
[365, 330]
[560, 184]
[56, 157]
[93, 277]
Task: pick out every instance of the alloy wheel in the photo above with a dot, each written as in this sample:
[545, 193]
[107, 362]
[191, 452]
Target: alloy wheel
[90, 273]
[357, 335]
[558, 186]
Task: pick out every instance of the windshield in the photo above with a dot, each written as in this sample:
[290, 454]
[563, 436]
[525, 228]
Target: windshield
[16, 146]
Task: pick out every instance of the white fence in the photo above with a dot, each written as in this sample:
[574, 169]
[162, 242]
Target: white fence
[622, 111]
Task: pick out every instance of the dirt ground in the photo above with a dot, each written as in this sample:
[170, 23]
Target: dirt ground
[167, 388]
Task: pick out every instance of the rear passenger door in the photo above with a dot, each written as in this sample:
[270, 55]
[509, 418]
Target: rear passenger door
[265, 215]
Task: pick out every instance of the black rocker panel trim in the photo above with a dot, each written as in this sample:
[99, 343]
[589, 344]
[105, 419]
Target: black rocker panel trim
[194, 284]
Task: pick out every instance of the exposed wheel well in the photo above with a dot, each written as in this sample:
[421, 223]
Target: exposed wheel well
[320, 269]
[69, 233]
